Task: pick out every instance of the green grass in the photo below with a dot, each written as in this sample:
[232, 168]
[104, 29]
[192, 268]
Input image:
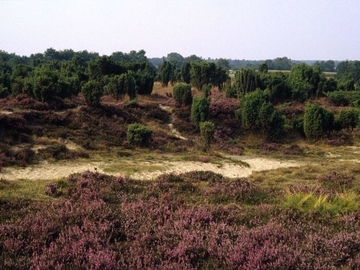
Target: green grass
[24, 190]
[323, 204]
[130, 168]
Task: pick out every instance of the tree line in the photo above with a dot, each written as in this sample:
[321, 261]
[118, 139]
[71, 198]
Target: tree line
[62, 74]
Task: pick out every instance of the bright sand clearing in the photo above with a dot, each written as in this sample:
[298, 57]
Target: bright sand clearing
[48, 171]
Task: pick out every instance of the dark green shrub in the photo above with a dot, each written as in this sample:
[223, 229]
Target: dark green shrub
[92, 93]
[138, 134]
[182, 93]
[144, 82]
[317, 121]
[298, 125]
[343, 98]
[348, 119]
[206, 89]
[246, 81]
[199, 110]
[207, 130]
[258, 114]
[304, 81]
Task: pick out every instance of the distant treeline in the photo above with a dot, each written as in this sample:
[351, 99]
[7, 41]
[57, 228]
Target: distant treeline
[61, 74]
[279, 63]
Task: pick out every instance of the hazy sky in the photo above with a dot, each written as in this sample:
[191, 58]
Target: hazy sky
[237, 29]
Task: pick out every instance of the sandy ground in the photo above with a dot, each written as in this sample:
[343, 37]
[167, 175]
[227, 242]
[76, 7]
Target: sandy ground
[49, 171]
[227, 169]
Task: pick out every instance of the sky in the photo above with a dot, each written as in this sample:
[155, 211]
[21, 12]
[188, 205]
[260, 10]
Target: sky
[231, 29]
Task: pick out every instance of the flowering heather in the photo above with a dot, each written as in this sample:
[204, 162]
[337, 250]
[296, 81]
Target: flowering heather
[105, 222]
[336, 180]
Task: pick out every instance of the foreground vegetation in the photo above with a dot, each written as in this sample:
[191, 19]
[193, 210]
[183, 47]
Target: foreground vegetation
[196, 220]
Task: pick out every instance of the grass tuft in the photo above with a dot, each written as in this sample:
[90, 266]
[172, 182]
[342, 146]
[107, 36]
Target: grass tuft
[322, 204]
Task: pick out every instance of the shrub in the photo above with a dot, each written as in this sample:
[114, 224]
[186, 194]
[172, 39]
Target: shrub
[337, 181]
[206, 89]
[138, 134]
[258, 114]
[348, 119]
[182, 93]
[51, 189]
[343, 98]
[205, 176]
[24, 156]
[235, 190]
[207, 130]
[199, 110]
[92, 93]
[317, 121]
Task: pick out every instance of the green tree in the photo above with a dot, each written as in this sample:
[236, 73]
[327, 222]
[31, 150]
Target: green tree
[259, 115]
[185, 72]
[263, 68]
[199, 110]
[276, 83]
[246, 81]
[199, 73]
[92, 93]
[348, 119]
[175, 58]
[223, 63]
[138, 134]
[219, 77]
[129, 83]
[317, 121]
[45, 83]
[182, 93]
[328, 66]
[144, 82]
[281, 63]
[329, 85]
[304, 82]
[207, 130]
[203, 73]
[5, 79]
[206, 89]
[166, 73]
[115, 86]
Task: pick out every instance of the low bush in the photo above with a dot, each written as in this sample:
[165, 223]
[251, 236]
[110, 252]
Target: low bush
[293, 150]
[199, 110]
[207, 130]
[60, 152]
[337, 181]
[343, 98]
[206, 176]
[182, 93]
[349, 119]
[155, 112]
[138, 134]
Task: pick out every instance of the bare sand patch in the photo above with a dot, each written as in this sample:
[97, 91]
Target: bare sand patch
[48, 171]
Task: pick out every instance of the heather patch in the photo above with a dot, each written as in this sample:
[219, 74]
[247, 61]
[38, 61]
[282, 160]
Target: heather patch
[105, 222]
